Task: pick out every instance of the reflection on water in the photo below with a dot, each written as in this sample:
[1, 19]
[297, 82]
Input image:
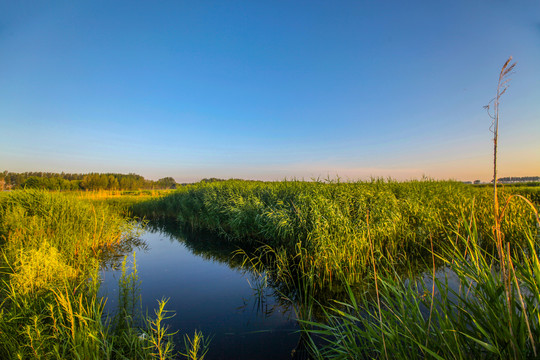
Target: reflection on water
[209, 292]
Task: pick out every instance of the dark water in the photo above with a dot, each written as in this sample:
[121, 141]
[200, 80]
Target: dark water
[210, 293]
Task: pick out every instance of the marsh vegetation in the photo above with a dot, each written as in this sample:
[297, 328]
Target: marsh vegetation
[363, 265]
[384, 251]
[51, 246]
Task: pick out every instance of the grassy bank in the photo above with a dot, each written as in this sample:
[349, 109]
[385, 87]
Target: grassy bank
[311, 234]
[479, 305]
[325, 226]
[50, 246]
[119, 200]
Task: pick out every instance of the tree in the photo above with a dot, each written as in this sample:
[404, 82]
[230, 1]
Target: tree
[113, 183]
[166, 183]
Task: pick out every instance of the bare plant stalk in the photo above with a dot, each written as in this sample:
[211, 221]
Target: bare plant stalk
[502, 85]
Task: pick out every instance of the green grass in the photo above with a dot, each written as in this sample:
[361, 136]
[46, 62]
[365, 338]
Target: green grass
[319, 241]
[314, 241]
[324, 226]
[51, 245]
[489, 314]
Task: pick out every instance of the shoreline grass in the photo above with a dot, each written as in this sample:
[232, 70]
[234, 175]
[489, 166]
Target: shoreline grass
[420, 319]
[305, 229]
[51, 246]
[311, 237]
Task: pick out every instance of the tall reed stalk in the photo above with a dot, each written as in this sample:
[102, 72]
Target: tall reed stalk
[493, 312]
[502, 86]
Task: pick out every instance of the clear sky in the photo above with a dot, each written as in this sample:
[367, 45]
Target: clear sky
[268, 89]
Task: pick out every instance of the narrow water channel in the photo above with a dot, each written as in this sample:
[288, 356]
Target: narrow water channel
[208, 292]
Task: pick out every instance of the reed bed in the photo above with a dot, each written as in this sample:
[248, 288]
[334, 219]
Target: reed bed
[50, 249]
[108, 194]
[324, 226]
[317, 241]
[484, 312]
[50, 246]
[119, 200]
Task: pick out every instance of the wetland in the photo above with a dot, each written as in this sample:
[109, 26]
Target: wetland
[281, 270]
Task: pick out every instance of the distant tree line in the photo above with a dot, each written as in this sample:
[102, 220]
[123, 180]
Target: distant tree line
[91, 181]
[518, 179]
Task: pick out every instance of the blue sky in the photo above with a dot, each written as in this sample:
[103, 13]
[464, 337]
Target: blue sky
[268, 90]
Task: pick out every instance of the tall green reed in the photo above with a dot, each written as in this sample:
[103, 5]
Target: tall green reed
[428, 317]
[328, 220]
[51, 245]
[491, 313]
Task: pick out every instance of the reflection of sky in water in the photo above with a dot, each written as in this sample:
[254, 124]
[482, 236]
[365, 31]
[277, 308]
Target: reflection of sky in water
[210, 293]
[209, 296]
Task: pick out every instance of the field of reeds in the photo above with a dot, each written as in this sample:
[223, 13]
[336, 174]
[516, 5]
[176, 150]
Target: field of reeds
[310, 238]
[476, 295]
[51, 245]
[480, 304]
[326, 226]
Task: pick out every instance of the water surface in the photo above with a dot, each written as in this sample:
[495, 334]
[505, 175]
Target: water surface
[209, 292]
